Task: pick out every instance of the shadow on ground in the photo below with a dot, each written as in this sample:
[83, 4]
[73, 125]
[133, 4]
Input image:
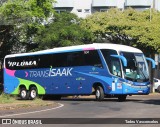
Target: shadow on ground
[151, 101]
[137, 99]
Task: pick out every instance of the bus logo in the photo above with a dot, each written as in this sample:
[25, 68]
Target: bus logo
[22, 64]
[52, 72]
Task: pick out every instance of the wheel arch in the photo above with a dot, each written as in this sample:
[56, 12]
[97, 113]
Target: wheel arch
[32, 85]
[98, 84]
[28, 87]
[23, 86]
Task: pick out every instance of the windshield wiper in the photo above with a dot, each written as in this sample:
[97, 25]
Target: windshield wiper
[145, 78]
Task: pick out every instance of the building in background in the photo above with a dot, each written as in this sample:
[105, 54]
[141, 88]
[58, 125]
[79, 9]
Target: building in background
[139, 4]
[86, 7]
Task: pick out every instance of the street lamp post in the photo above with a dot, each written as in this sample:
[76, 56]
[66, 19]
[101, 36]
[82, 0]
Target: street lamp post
[150, 14]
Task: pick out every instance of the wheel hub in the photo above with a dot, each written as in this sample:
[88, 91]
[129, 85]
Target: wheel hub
[33, 93]
[23, 93]
[98, 93]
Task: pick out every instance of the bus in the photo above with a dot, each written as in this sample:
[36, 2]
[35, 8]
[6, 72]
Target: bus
[99, 69]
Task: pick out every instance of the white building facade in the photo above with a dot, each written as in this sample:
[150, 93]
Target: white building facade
[86, 7]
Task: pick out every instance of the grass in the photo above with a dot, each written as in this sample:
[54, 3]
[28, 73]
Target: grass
[5, 98]
[9, 102]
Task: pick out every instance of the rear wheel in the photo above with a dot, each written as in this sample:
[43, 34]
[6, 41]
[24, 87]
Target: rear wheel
[99, 93]
[122, 98]
[33, 93]
[24, 95]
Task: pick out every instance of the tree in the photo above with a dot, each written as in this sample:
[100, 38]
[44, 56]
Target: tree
[6, 39]
[20, 21]
[129, 27]
[64, 30]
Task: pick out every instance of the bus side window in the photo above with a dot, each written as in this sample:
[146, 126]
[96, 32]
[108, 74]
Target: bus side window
[59, 60]
[116, 68]
[112, 63]
[75, 59]
[92, 58]
[84, 58]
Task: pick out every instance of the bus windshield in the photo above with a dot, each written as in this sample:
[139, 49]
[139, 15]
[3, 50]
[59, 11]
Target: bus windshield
[136, 69]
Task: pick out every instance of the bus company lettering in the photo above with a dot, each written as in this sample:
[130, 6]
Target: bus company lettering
[23, 63]
[51, 72]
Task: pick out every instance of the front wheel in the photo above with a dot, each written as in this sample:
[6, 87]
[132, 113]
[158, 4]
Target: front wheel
[99, 93]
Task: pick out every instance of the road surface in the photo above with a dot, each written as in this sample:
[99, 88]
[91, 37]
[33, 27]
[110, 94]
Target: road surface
[145, 106]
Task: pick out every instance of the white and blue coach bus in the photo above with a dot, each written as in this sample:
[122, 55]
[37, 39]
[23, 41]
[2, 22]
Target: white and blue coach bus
[100, 69]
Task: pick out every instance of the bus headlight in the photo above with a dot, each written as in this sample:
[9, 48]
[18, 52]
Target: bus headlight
[127, 84]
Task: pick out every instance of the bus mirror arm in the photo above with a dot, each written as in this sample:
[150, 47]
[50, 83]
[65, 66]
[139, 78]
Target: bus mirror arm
[153, 62]
[124, 60]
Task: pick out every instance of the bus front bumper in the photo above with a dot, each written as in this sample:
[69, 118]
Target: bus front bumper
[136, 90]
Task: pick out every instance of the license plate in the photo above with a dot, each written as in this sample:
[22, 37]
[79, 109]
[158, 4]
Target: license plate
[140, 91]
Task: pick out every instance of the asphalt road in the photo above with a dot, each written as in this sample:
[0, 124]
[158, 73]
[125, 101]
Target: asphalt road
[144, 106]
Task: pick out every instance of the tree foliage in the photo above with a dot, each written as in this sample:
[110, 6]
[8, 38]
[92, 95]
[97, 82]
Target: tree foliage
[7, 39]
[26, 11]
[130, 27]
[20, 21]
[64, 30]
[29, 24]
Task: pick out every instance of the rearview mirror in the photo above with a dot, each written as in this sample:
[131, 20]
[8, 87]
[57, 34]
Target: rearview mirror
[124, 60]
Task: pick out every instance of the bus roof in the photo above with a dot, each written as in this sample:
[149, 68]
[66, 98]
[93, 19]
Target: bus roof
[93, 46]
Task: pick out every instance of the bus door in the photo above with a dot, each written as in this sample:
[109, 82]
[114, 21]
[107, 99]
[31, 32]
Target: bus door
[117, 76]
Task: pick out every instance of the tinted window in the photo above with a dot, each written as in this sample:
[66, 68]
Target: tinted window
[75, 59]
[38, 61]
[59, 60]
[84, 58]
[112, 62]
[81, 58]
[24, 62]
[92, 58]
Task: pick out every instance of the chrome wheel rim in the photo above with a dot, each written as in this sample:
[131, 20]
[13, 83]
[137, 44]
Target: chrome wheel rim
[23, 93]
[97, 93]
[33, 94]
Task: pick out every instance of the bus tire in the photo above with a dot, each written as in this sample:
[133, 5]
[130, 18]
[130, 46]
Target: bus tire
[24, 94]
[33, 93]
[122, 98]
[99, 93]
